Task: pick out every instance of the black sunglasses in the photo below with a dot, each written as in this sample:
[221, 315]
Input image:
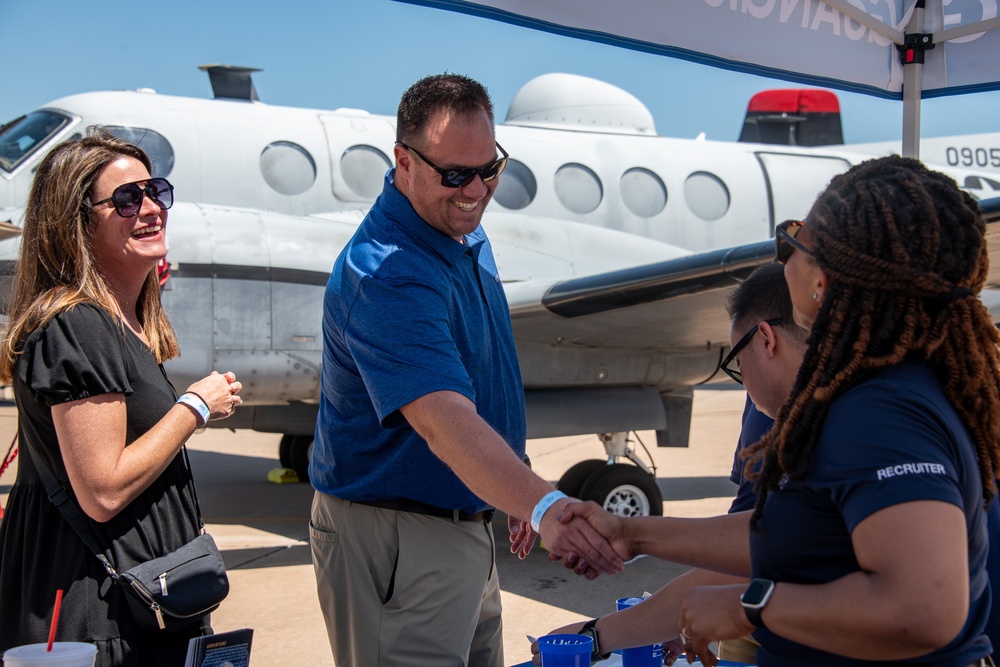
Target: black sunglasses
[735, 372]
[458, 177]
[785, 243]
[127, 198]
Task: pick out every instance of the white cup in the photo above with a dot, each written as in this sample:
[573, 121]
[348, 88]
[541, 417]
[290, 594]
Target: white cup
[63, 654]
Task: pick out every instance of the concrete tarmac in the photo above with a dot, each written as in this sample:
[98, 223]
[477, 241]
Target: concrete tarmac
[261, 527]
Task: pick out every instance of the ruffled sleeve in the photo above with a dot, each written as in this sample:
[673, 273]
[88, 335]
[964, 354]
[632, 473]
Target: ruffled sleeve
[78, 354]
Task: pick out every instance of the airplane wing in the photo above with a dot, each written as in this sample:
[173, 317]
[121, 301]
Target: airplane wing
[674, 307]
[675, 304]
[8, 229]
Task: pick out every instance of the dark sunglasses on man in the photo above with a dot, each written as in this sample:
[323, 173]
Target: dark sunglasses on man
[127, 198]
[458, 177]
[785, 243]
[743, 342]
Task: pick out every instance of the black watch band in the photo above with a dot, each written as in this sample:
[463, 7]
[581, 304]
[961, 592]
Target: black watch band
[755, 598]
[753, 615]
[590, 629]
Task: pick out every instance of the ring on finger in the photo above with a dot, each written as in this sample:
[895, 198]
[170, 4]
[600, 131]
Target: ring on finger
[685, 637]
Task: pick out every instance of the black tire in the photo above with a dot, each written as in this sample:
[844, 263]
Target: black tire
[572, 481]
[624, 490]
[294, 452]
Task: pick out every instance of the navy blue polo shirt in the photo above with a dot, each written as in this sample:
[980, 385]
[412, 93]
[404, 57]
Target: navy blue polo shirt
[409, 311]
[755, 426]
[892, 439]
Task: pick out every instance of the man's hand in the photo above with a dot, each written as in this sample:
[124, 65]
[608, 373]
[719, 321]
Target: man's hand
[585, 539]
[672, 650]
[606, 524]
[522, 537]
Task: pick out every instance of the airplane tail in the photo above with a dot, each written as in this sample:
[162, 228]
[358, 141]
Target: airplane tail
[793, 117]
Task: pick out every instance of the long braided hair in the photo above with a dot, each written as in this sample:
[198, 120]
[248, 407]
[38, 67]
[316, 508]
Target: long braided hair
[905, 254]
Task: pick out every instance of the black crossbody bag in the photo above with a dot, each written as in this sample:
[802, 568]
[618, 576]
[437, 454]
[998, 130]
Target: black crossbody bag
[164, 593]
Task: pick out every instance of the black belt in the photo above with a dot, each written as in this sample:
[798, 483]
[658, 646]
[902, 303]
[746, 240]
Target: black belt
[417, 507]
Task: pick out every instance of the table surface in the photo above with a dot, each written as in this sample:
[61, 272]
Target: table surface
[616, 661]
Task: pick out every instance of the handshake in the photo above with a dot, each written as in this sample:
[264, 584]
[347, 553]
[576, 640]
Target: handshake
[586, 538]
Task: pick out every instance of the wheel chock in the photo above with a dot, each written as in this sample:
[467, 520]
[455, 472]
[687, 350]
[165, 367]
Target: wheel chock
[282, 476]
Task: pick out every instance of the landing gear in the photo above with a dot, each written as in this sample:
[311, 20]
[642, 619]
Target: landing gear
[624, 490]
[620, 488]
[294, 452]
[572, 481]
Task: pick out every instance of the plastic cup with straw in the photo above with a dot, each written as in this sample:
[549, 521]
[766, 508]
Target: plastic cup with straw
[55, 620]
[52, 654]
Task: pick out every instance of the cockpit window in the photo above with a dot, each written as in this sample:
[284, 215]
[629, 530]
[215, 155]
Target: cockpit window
[159, 150]
[20, 138]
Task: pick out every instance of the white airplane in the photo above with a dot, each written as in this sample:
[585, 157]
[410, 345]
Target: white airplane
[617, 246]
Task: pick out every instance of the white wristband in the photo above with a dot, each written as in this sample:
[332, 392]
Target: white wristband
[547, 501]
[195, 401]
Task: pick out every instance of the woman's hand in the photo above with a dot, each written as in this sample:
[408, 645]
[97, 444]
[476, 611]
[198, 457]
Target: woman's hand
[220, 392]
[711, 613]
[610, 526]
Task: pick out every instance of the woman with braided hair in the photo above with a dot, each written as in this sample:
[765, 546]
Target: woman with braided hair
[868, 542]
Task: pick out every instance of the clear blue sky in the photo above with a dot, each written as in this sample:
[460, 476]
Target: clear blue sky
[326, 54]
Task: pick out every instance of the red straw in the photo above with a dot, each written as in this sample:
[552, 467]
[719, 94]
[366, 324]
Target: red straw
[55, 619]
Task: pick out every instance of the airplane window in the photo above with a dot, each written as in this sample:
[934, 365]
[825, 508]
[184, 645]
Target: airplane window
[578, 188]
[706, 195]
[21, 137]
[643, 192]
[159, 150]
[287, 167]
[517, 187]
[364, 170]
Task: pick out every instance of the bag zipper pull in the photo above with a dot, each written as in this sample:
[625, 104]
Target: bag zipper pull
[159, 616]
[163, 584]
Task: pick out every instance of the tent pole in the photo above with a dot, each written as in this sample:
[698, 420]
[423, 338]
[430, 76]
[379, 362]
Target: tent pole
[911, 110]
[913, 70]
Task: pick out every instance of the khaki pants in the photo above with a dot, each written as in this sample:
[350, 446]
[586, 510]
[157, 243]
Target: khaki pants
[404, 589]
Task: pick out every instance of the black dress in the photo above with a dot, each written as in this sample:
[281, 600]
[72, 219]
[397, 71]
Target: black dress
[83, 353]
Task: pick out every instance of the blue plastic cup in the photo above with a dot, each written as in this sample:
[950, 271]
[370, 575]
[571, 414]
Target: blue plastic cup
[640, 656]
[565, 650]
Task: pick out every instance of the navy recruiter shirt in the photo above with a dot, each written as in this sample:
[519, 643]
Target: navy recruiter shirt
[893, 438]
[409, 311]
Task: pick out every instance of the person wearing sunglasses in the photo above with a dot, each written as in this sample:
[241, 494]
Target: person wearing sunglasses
[421, 430]
[767, 349]
[868, 543]
[85, 340]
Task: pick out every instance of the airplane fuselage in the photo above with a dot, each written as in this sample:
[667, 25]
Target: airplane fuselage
[267, 196]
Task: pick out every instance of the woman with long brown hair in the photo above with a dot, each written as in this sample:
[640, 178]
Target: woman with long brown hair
[83, 349]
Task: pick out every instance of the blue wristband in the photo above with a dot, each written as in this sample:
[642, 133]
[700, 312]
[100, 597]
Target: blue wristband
[195, 402]
[547, 501]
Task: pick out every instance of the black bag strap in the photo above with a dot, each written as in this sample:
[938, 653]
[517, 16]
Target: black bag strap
[74, 516]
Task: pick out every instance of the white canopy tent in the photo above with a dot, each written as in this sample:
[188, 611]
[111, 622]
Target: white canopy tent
[949, 46]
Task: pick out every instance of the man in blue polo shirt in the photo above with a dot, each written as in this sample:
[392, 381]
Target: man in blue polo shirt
[421, 428]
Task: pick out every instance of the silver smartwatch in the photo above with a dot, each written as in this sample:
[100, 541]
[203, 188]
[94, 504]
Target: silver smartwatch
[755, 598]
